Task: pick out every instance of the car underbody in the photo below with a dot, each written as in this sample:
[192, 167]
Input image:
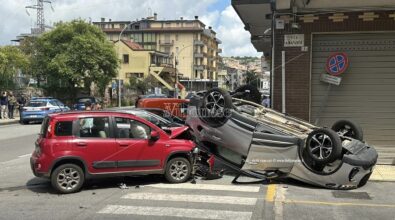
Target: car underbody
[263, 143]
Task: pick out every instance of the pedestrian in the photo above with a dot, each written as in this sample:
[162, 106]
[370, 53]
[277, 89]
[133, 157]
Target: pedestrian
[3, 105]
[88, 106]
[11, 105]
[21, 103]
[266, 101]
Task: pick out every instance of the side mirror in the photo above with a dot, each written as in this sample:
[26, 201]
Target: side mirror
[154, 136]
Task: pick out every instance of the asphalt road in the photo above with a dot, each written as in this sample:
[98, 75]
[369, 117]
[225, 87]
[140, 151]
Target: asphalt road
[22, 196]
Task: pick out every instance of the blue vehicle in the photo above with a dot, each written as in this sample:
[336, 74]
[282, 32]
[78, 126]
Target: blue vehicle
[38, 108]
[80, 102]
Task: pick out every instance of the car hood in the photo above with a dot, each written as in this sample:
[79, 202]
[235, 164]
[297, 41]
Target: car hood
[177, 131]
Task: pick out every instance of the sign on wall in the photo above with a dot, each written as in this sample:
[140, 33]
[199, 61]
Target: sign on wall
[334, 80]
[337, 64]
[294, 40]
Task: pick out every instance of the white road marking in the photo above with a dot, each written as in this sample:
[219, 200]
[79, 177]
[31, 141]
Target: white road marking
[175, 212]
[278, 203]
[25, 155]
[207, 187]
[192, 198]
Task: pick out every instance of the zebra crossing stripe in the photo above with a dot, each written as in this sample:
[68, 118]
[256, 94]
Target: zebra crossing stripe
[207, 187]
[192, 198]
[175, 212]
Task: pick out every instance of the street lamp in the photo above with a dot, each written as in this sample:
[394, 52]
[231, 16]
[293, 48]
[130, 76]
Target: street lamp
[175, 67]
[119, 80]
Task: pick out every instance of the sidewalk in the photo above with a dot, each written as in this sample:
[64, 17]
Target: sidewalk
[383, 173]
[9, 121]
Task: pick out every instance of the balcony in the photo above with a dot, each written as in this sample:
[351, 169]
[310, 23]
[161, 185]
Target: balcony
[166, 42]
[219, 50]
[198, 43]
[198, 55]
[199, 67]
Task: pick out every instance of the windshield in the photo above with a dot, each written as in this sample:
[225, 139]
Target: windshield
[83, 100]
[37, 104]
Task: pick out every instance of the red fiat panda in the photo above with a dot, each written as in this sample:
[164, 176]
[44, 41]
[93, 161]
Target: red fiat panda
[76, 146]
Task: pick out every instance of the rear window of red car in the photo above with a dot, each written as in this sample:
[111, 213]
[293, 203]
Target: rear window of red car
[64, 128]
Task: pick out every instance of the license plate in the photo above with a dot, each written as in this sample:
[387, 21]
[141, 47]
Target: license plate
[33, 116]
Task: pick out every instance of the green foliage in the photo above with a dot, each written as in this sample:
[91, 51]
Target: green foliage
[141, 85]
[74, 55]
[11, 60]
[252, 79]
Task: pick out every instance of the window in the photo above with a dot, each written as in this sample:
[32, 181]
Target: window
[131, 129]
[64, 128]
[95, 127]
[138, 37]
[176, 37]
[126, 58]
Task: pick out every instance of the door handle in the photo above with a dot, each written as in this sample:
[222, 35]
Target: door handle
[81, 144]
[123, 144]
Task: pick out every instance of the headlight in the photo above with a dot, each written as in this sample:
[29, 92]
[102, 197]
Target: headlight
[195, 150]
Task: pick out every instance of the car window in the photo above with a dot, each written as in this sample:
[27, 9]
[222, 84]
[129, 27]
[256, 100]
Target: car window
[54, 103]
[83, 100]
[131, 129]
[37, 104]
[64, 128]
[94, 127]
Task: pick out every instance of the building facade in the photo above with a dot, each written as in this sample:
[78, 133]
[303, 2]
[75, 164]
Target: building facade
[193, 48]
[302, 36]
[140, 63]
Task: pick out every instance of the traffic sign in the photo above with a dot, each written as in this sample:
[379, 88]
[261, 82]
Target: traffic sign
[337, 64]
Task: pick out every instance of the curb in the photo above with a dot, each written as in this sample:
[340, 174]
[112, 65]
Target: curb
[9, 122]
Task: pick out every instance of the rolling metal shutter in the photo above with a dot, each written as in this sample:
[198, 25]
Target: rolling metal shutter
[366, 94]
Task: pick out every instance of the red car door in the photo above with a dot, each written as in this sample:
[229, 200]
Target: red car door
[95, 143]
[135, 150]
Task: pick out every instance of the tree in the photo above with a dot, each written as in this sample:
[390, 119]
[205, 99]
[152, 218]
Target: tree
[11, 60]
[74, 56]
[141, 85]
[252, 79]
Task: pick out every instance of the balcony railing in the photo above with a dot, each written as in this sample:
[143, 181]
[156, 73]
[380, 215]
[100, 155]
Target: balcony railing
[166, 42]
[198, 55]
[198, 42]
[199, 67]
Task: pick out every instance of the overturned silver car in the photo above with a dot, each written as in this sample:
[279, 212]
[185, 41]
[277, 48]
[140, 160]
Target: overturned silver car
[264, 143]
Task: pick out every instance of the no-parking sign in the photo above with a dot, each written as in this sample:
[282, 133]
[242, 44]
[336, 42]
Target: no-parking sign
[337, 64]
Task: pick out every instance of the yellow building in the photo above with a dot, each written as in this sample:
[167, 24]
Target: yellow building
[194, 46]
[139, 62]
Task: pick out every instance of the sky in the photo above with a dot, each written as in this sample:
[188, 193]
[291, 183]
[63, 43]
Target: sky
[219, 14]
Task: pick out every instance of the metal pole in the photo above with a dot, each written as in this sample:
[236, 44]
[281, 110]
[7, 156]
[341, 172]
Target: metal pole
[273, 61]
[119, 74]
[283, 81]
[119, 92]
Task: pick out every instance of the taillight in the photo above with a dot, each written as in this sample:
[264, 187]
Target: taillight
[37, 149]
[49, 134]
[44, 109]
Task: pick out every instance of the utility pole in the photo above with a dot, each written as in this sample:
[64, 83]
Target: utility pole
[40, 23]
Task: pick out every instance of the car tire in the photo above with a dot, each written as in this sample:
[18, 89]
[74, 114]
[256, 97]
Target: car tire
[67, 178]
[178, 170]
[348, 129]
[216, 107]
[25, 122]
[253, 96]
[323, 146]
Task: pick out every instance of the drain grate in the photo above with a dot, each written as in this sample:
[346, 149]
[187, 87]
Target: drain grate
[351, 195]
